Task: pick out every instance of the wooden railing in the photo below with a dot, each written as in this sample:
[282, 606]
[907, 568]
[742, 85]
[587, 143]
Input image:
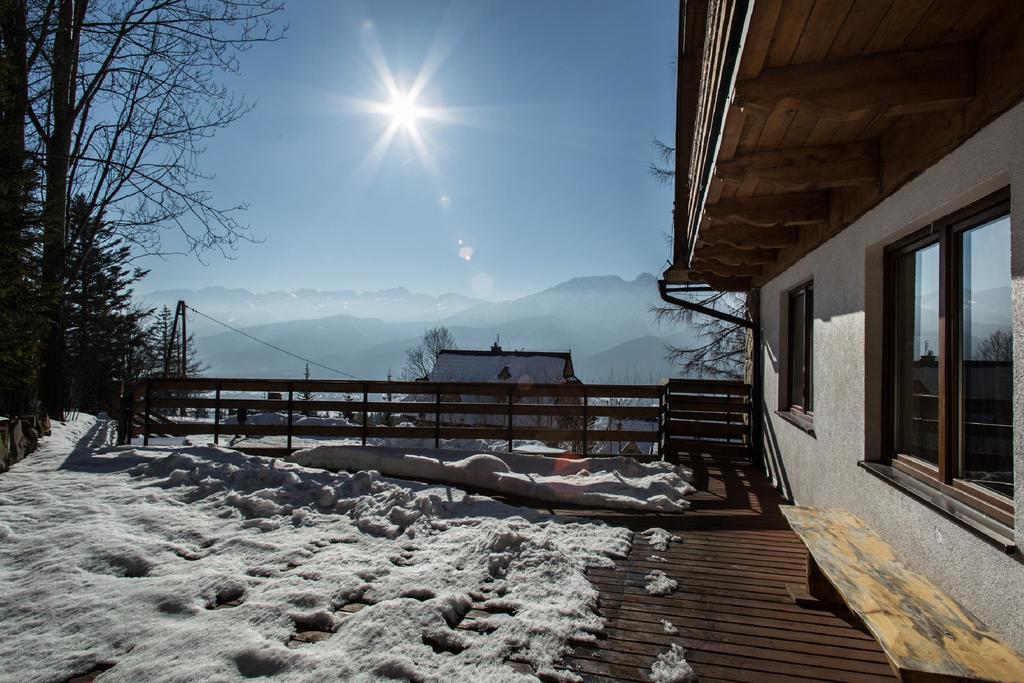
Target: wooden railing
[710, 417]
[677, 417]
[564, 413]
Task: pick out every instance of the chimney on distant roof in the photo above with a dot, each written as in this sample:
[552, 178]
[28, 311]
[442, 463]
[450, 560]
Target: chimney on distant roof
[496, 346]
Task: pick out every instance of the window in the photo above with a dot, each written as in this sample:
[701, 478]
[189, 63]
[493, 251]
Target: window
[949, 358]
[800, 388]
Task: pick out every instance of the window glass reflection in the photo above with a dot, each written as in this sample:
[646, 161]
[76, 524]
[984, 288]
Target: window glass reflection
[985, 363]
[917, 354]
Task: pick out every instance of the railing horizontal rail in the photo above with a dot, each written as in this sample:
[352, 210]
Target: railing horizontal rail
[649, 391]
[702, 404]
[449, 432]
[700, 386]
[411, 407]
[707, 429]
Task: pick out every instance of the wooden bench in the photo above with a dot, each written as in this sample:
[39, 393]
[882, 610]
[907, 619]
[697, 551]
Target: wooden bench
[925, 633]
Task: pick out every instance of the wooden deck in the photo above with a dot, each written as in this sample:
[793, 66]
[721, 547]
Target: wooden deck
[734, 615]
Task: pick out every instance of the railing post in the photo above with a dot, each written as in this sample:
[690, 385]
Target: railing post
[290, 394]
[586, 419]
[757, 399]
[145, 427]
[366, 406]
[661, 420]
[216, 415]
[127, 405]
[511, 421]
[437, 416]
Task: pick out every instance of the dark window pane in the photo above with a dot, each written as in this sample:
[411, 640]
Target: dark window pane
[809, 351]
[985, 363]
[916, 357]
[797, 313]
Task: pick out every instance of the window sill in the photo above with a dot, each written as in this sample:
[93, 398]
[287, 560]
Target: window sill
[802, 422]
[967, 517]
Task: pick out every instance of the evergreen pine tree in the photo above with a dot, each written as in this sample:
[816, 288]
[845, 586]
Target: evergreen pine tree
[101, 324]
[21, 324]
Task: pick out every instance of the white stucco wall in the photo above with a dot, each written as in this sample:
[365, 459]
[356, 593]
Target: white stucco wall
[847, 273]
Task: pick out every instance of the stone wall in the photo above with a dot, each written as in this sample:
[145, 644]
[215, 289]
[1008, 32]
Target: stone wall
[19, 436]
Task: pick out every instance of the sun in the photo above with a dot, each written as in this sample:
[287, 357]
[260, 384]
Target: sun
[403, 111]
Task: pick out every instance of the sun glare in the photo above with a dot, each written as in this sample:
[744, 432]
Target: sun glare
[406, 109]
[403, 111]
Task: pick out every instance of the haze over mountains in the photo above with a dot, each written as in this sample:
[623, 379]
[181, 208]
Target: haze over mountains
[604, 320]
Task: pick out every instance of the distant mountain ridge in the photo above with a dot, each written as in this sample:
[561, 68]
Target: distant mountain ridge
[240, 307]
[604, 320]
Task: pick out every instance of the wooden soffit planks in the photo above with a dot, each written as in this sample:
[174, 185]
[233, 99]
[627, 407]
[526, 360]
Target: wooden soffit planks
[830, 116]
[888, 84]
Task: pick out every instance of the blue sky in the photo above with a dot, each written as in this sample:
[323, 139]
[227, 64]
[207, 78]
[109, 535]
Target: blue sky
[550, 107]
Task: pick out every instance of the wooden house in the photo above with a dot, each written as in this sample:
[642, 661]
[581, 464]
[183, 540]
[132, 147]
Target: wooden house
[857, 167]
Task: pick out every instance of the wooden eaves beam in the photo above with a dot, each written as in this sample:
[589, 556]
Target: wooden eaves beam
[695, 275]
[724, 253]
[720, 269]
[807, 168]
[749, 237]
[887, 83]
[720, 283]
[805, 208]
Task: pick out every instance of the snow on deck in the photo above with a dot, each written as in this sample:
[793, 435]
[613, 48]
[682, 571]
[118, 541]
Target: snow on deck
[615, 483]
[197, 563]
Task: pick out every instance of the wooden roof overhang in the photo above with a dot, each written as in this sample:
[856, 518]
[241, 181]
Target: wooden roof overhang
[794, 117]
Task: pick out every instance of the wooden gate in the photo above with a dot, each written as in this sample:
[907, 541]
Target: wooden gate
[707, 417]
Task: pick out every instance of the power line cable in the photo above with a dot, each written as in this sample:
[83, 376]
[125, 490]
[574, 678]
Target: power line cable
[265, 343]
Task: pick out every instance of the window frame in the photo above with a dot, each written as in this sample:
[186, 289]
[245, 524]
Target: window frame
[946, 233]
[805, 289]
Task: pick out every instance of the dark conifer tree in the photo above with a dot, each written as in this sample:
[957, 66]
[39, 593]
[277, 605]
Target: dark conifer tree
[21, 324]
[102, 325]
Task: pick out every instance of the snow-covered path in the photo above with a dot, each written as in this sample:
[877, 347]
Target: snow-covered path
[198, 563]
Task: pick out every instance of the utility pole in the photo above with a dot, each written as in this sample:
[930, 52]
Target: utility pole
[179, 312]
[184, 341]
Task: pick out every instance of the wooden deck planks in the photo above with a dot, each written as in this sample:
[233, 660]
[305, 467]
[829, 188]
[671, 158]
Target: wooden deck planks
[734, 615]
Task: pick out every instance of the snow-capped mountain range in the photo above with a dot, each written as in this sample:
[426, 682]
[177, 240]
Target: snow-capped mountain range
[604, 320]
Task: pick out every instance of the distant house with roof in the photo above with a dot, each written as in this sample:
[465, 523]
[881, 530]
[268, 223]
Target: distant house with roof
[500, 366]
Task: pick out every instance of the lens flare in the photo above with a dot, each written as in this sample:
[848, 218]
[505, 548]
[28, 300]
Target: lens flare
[403, 110]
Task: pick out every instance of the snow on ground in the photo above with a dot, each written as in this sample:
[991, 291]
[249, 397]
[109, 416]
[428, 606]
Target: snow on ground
[669, 627]
[200, 563]
[659, 539]
[671, 667]
[607, 482]
[659, 584]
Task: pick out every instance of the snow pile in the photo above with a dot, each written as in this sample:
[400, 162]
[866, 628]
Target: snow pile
[671, 667]
[610, 482]
[669, 627]
[202, 563]
[659, 584]
[659, 539]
